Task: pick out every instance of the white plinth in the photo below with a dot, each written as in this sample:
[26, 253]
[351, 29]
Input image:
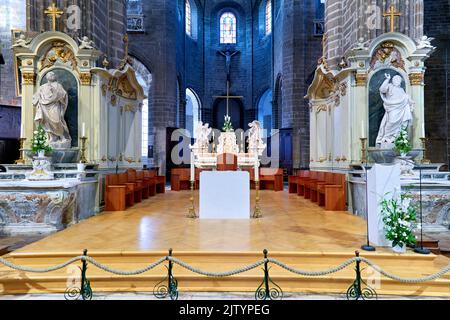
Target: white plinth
[383, 181]
[224, 195]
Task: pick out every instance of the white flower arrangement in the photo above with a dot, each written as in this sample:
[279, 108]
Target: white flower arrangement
[402, 143]
[399, 217]
[39, 142]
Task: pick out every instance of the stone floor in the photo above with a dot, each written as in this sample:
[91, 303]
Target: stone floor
[204, 296]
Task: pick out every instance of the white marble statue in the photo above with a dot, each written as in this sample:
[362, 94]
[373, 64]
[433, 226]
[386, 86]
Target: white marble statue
[228, 143]
[202, 133]
[361, 44]
[21, 42]
[85, 43]
[255, 141]
[425, 42]
[51, 102]
[399, 109]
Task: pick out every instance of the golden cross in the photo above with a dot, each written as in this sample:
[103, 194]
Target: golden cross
[392, 14]
[54, 13]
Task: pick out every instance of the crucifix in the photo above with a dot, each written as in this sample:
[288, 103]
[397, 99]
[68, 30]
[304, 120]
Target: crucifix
[54, 13]
[392, 14]
[228, 54]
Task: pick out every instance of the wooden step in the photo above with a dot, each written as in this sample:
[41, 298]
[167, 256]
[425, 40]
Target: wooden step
[12, 282]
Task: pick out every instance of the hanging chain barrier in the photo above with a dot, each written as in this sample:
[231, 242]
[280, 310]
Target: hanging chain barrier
[268, 289]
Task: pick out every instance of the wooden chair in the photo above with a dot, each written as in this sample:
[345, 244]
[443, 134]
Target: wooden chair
[302, 175]
[132, 178]
[123, 180]
[118, 193]
[115, 194]
[160, 183]
[150, 177]
[302, 190]
[333, 196]
[271, 178]
[311, 185]
[144, 183]
[180, 179]
[292, 182]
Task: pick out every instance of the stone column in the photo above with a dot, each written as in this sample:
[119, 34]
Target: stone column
[28, 89]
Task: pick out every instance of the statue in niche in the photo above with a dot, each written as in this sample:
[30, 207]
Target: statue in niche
[51, 102]
[399, 109]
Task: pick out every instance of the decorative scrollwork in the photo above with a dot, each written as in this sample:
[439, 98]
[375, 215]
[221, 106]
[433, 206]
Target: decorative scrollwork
[166, 288]
[169, 286]
[356, 290]
[268, 290]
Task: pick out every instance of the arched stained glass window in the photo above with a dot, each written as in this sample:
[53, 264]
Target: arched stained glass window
[268, 17]
[188, 18]
[228, 28]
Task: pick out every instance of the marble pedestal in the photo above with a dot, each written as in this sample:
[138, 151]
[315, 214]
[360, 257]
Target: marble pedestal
[43, 207]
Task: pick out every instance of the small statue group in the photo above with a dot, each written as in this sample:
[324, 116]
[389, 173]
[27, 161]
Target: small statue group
[255, 141]
[202, 133]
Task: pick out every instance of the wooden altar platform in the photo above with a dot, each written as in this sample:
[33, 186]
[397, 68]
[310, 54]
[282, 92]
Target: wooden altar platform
[294, 231]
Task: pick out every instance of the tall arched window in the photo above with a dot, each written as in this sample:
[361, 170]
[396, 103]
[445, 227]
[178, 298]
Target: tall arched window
[268, 17]
[228, 28]
[188, 18]
[193, 108]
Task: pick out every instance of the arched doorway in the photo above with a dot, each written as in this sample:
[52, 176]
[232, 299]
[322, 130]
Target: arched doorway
[236, 112]
[265, 110]
[193, 107]
[144, 78]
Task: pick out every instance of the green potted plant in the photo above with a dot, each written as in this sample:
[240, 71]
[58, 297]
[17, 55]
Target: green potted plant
[399, 218]
[39, 144]
[227, 126]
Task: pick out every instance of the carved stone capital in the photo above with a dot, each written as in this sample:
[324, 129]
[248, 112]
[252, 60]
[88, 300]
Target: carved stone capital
[85, 78]
[416, 78]
[361, 79]
[28, 78]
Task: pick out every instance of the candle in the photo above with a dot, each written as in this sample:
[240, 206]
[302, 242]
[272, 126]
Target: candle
[192, 167]
[21, 130]
[363, 131]
[423, 130]
[256, 171]
[83, 131]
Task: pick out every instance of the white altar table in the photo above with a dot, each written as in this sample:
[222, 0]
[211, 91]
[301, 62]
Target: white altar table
[224, 195]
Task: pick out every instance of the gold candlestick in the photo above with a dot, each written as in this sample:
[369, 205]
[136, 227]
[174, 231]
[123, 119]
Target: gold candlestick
[192, 214]
[257, 212]
[425, 159]
[21, 160]
[83, 158]
[363, 150]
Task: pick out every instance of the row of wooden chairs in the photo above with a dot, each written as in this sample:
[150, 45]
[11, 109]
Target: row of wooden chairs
[328, 189]
[124, 189]
[271, 179]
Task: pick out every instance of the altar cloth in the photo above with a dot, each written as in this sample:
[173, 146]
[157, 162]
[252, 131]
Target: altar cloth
[224, 195]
